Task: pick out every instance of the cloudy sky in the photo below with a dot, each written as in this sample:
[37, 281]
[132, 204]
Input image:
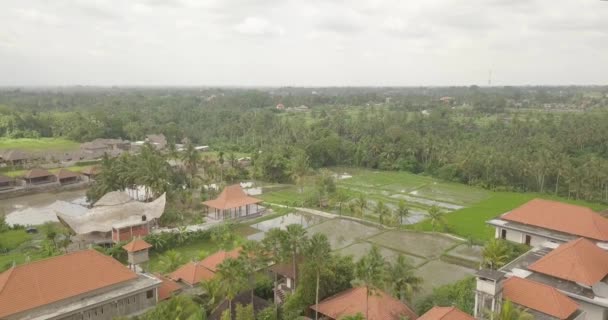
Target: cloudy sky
[303, 42]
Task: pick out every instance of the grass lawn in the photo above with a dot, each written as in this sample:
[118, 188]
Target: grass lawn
[11, 239]
[471, 221]
[42, 144]
[18, 173]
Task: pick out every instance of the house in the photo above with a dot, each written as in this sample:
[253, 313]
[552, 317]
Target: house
[157, 140]
[446, 313]
[233, 202]
[101, 146]
[16, 157]
[65, 176]
[168, 288]
[6, 182]
[285, 279]
[114, 218]
[280, 106]
[38, 176]
[137, 252]
[195, 272]
[377, 306]
[244, 299]
[539, 220]
[553, 281]
[91, 172]
[79, 285]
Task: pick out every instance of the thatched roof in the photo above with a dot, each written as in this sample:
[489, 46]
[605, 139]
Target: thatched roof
[37, 173]
[102, 218]
[113, 198]
[5, 179]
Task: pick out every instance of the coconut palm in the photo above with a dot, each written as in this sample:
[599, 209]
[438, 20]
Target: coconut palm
[295, 238]
[508, 311]
[170, 261]
[361, 204]
[370, 273]
[403, 212]
[495, 254]
[317, 252]
[436, 217]
[253, 258]
[212, 293]
[233, 278]
[382, 211]
[191, 159]
[403, 280]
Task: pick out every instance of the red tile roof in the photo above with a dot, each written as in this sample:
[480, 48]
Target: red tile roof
[231, 197]
[136, 245]
[167, 288]
[539, 297]
[37, 173]
[47, 281]
[562, 217]
[446, 313]
[579, 261]
[381, 306]
[192, 273]
[214, 260]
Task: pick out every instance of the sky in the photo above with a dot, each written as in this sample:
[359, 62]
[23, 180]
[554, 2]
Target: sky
[303, 42]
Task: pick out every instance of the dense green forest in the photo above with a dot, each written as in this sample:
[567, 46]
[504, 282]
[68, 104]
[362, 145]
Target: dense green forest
[552, 140]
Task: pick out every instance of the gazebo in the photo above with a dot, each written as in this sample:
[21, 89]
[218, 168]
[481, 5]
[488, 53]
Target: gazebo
[233, 202]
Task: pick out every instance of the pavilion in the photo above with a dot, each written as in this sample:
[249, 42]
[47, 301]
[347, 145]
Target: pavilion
[233, 202]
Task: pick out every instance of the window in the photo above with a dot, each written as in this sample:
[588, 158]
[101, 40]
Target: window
[528, 239]
[150, 294]
[503, 234]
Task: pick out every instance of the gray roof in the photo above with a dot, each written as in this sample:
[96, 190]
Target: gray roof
[490, 274]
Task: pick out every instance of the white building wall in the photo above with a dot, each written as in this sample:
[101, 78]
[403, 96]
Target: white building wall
[520, 237]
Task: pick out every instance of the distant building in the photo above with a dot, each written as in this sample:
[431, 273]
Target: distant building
[285, 279]
[91, 172]
[38, 176]
[445, 313]
[232, 203]
[115, 218]
[539, 220]
[65, 176]
[6, 182]
[157, 140]
[192, 273]
[16, 157]
[378, 306]
[98, 147]
[244, 298]
[79, 285]
[280, 106]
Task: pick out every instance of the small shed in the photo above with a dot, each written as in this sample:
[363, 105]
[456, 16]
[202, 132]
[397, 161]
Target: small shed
[65, 176]
[91, 172]
[38, 176]
[137, 251]
[6, 182]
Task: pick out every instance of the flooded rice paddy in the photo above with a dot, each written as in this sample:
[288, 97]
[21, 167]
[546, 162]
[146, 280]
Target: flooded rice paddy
[40, 208]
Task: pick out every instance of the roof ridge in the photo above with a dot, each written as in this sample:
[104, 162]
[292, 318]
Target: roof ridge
[581, 259]
[8, 276]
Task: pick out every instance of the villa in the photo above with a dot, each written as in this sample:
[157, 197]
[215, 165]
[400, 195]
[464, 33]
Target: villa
[193, 273]
[539, 221]
[75, 286]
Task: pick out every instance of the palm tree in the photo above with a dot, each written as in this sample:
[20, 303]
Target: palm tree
[295, 240]
[404, 282]
[381, 210]
[436, 216]
[253, 259]
[370, 273]
[495, 254]
[403, 212]
[191, 159]
[317, 252]
[341, 197]
[212, 293]
[274, 244]
[361, 204]
[508, 311]
[170, 261]
[232, 274]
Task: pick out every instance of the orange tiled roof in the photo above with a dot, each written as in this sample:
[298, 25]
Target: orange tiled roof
[136, 245]
[579, 261]
[214, 260]
[167, 287]
[47, 281]
[192, 273]
[446, 313]
[231, 197]
[381, 306]
[562, 217]
[539, 297]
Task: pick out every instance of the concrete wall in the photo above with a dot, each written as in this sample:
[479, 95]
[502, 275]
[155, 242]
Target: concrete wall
[594, 312]
[123, 307]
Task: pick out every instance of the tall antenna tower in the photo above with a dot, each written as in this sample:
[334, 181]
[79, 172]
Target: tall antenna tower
[490, 77]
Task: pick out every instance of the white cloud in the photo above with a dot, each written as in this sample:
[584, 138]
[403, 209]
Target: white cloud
[258, 27]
